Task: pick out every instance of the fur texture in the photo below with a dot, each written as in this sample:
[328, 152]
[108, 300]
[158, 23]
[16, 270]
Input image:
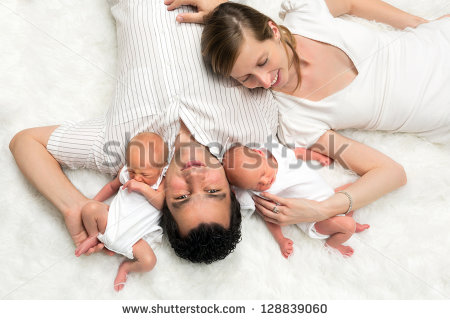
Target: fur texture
[57, 62]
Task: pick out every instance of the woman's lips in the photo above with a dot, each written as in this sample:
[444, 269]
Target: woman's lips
[193, 163]
[278, 80]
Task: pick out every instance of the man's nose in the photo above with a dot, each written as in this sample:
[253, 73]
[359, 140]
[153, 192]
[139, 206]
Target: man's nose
[195, 174]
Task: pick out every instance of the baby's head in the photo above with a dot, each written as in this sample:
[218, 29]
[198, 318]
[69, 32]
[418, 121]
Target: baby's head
[146, 157]
[250, 169]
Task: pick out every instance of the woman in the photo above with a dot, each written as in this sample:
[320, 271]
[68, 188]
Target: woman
[333, 74]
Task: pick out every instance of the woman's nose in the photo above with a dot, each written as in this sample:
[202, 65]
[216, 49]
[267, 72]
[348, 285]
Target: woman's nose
[264, 79]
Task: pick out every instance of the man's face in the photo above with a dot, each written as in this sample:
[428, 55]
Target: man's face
[197, 190]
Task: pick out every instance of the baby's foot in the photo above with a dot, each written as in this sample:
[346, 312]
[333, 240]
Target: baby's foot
[345, 250]
[121, 278]
[286, 247]
[361, 227]
[90, 242]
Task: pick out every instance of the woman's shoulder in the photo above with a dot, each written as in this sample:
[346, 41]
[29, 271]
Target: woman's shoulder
[306, 17]
[305, 7]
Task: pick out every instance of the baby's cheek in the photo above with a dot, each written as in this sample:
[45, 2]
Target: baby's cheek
[263, 188]
[151, 181]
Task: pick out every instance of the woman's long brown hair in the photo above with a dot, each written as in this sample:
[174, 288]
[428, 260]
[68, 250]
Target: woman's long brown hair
[223, 36]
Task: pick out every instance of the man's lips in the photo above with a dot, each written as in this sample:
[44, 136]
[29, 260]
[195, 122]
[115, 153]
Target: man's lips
[192, 164]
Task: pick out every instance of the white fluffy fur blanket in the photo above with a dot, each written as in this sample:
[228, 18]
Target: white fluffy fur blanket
[57, 62]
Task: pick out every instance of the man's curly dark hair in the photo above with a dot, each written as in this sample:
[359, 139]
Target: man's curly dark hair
[207, 242]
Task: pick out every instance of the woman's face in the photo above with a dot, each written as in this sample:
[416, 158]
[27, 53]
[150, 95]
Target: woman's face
[262, 63]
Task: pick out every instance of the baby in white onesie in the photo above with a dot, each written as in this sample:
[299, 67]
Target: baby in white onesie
[130, 226]
[279, 172]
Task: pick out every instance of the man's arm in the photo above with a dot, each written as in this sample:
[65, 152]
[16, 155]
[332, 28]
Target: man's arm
[29, 148]
[375, 10]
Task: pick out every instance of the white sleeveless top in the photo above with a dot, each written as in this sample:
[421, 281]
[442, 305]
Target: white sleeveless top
[294, 179]
[131, 218]
[403, 81]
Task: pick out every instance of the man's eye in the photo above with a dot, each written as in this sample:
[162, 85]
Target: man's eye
[184, 196]
[213, 191]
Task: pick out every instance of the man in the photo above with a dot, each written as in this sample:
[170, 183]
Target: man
[163, 87]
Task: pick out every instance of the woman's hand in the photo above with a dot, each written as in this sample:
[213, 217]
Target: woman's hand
[444, 16]
[204, 7]
[415, 21]
[289, 211]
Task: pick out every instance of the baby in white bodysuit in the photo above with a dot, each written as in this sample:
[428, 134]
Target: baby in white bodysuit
[130, 226]
[280, 172]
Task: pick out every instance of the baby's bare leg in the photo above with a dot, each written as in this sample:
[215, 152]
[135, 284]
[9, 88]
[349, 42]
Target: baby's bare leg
[340, 229]
[95, 217]
[145, 261]
[286, 244]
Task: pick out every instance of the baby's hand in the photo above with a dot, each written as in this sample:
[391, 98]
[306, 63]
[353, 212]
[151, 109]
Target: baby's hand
[159, 196]
[135, 186]
[307, 155]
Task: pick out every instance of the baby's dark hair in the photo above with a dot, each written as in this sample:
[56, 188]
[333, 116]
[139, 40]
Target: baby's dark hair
[206, 243]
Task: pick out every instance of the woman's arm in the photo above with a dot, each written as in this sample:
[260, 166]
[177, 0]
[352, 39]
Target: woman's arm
[204, 7]
[375, 10]
[379, 175]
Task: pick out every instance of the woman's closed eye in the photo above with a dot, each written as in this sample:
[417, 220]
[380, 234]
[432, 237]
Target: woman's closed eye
[263, 63]
[245, 79]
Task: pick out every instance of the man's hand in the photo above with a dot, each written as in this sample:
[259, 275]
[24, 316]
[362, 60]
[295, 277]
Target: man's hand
[78, 233]
[204, 7]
